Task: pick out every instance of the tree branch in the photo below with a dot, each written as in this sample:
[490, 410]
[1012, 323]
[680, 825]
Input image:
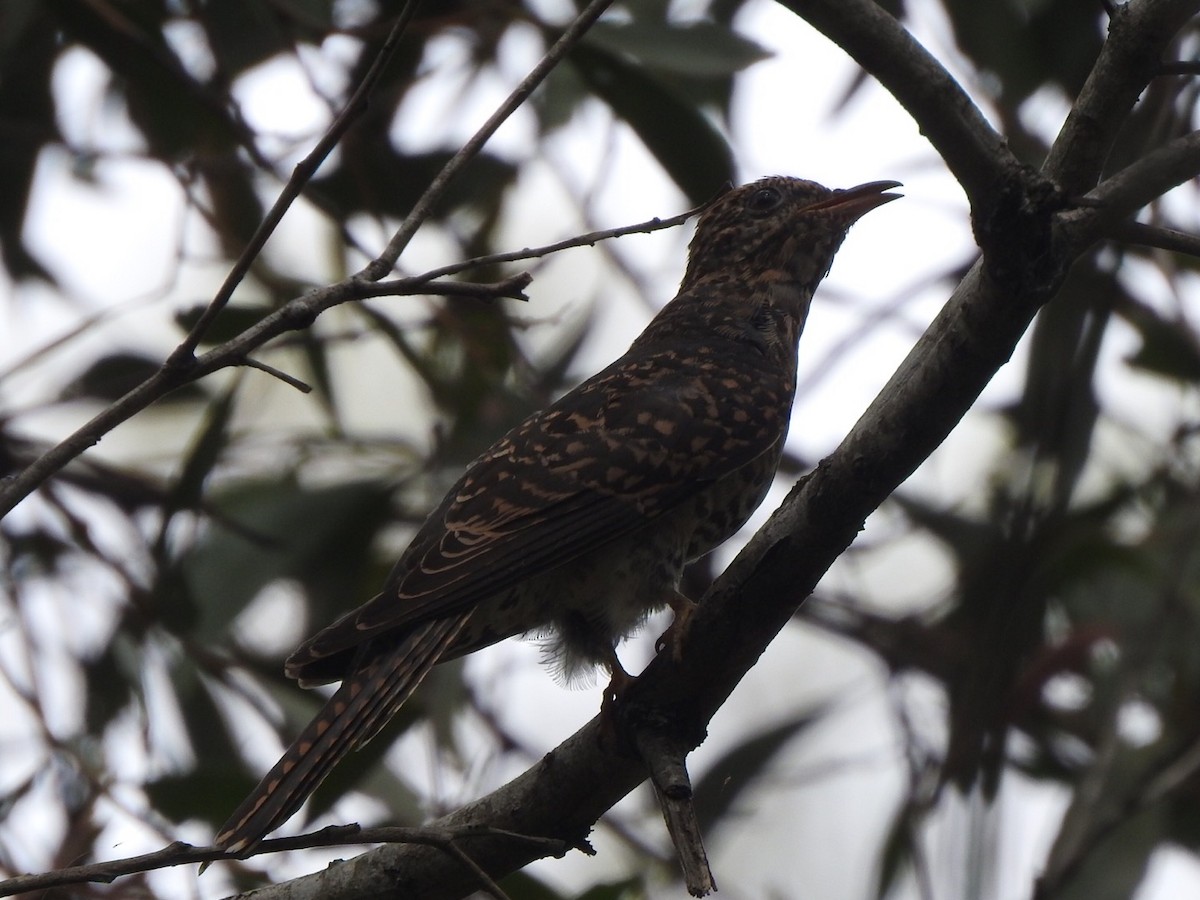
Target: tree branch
[183, 368]
[301, 175]
[976, 154]
[1154, 236]
[1120, 197]
[584, 240]
[294, 315]
[180, 853]
[749, 604]
[386, 261]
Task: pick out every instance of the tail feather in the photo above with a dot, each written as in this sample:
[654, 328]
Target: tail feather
[355, 713]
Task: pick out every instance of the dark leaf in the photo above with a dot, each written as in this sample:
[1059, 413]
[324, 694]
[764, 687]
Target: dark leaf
[178, 116]
[379, 179]
[204, 453]
[322, 537]
[700, 49]
[242, 34]
[28, 43]
[681, 138]
[627, 889]
[109, 689]
[522, 886]
[897, 854]
[231, 322]
[742, 766]
[1169, 347]
[111, 377]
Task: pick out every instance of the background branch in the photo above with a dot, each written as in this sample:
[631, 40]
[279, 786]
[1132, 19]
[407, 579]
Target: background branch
[949, 119]
[382, 264]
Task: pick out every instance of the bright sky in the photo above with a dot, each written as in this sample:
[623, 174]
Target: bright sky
[820, 824]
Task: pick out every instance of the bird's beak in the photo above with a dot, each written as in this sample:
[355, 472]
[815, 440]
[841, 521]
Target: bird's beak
[853, 203]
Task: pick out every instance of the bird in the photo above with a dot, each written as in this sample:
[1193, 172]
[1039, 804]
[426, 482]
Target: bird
[575, 526]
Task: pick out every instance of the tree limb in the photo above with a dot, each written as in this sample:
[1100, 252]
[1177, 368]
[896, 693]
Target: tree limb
[1138, 37]
[975, 153]
[180, 853]
[382, 264]
[301, 175]
[1118, 198]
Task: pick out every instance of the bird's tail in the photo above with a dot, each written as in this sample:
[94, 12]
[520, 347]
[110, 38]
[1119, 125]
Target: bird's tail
[365, 701]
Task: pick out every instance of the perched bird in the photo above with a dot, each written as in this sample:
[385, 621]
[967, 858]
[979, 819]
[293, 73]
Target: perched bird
[576, 525]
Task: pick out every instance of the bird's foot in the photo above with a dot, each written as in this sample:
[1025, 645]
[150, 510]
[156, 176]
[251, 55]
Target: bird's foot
[618, 684]
[676, 632]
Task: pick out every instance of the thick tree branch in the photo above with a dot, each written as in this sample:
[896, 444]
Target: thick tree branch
[938, 382]
[1011, 204]
[749, 604]
[976, 154]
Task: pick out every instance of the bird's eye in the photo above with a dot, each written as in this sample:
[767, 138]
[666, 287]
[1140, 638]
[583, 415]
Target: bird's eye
[764, 200]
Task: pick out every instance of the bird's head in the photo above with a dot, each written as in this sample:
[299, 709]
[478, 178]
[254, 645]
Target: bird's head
[778, 228]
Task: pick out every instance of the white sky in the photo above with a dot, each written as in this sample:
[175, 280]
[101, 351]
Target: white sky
[816, 831]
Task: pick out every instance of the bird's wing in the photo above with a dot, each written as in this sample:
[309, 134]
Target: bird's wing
[629, 444]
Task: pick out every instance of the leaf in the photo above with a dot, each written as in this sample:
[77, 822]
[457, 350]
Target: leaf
[111, 377]
[212, 789]
[321, 537]
[1112, 867]
[377, 178]
[232, 321]
[241, 34]
[703, 49]
[631, 888]
[681, 138]
[29, 53]
[1169, 347]
[523, 886]
[203, 454]
[109, 688]
[741, 766]
[177, 116]
[897, 853]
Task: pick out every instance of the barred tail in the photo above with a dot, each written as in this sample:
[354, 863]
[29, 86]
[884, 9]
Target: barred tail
[363, 704]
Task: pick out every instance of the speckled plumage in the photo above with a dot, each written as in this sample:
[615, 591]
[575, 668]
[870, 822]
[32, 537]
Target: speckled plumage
[576, 524]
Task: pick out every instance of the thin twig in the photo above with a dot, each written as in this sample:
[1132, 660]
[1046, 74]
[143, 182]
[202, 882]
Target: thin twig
[512, 287]
[1155, 236]
[289, 380]
[301, 175]
[386, 261]
[295, 315]
[1117, 198]
[181, 853]
[584, 240]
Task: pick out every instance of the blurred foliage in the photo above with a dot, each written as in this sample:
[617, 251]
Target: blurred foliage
[1071, 606]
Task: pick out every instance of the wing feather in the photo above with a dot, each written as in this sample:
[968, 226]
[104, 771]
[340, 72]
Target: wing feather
[627, 446]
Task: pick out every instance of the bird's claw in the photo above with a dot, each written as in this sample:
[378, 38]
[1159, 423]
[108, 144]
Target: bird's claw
[676, 632]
